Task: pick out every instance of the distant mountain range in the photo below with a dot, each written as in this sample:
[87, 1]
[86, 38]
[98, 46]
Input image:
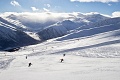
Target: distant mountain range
[21, 30]
[66, 26]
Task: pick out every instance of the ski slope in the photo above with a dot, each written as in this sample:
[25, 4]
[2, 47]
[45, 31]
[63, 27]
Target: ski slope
[48, 67]
[95, 57]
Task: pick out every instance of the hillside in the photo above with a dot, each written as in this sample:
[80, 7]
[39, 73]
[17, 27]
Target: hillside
[96, 56]
[73, 26]
[108, 25]
[13, 36]
[64, 27]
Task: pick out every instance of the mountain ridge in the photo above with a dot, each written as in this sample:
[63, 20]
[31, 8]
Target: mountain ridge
[72, 27]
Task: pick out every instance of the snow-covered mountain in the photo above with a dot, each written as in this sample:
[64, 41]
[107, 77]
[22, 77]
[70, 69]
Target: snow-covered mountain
[107, 25]
[33, 22]
[39, 21]
[95, 17]
[63, 27]
[49, 25]
[58, 29]
[15, 23]
[92, 50]
[12, 35]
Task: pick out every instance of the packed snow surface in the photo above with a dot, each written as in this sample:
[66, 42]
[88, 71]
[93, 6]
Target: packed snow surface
[89, 58]
[48, 67]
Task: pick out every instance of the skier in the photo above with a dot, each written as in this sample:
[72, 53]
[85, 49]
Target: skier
[63, 55]
[61, 60]
[26, 57]
[29, 64]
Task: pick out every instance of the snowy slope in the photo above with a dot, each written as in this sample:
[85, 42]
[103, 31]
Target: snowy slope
[95, 17]
[62, 25]
[93, 58]
[13, 36]
[48, 67]
[90, 58]
[50, 25]
[14, 23]
[95, 28]
[19, 26]
[58, 29]
[92, 53]
[61, 28]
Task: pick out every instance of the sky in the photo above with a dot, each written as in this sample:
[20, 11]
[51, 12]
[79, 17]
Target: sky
[108, 7]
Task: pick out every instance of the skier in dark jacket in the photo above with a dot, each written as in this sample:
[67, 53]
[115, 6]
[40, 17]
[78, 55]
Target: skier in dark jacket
[63, 55]
[61, 60]
[26, 57]
[29, 64]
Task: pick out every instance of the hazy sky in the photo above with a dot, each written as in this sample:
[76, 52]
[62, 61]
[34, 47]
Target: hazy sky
[83, 6]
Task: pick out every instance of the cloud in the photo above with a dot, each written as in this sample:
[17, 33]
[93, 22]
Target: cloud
[15, 3]
[34, 9]
[47, 16]
[116, 14]
[47, 5]
[46, 10]
[103, 1]
[40, 16]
